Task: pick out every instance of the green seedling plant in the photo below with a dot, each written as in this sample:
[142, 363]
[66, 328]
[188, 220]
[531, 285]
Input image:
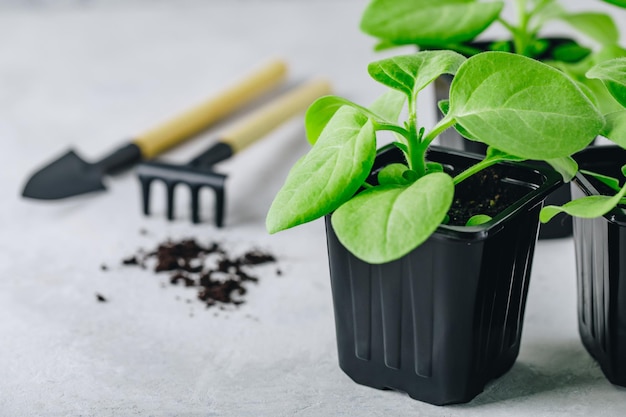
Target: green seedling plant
[612, 74]
[521, 108]
[455, 24]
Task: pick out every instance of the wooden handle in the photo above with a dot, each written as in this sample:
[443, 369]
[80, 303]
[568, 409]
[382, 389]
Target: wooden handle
[273, 114]
[198, 118]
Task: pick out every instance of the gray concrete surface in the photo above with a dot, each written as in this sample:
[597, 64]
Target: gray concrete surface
[89, 74]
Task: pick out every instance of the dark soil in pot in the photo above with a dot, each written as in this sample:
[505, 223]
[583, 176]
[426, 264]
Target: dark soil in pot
[445, 319]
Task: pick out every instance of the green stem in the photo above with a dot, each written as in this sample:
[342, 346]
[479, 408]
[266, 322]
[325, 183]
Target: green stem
[442, 125]
[508, 26]
[485, 163]
[520, 33]
[417, 155]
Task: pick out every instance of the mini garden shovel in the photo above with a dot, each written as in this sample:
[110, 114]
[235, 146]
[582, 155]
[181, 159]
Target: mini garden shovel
[198, 172]
[70, 175]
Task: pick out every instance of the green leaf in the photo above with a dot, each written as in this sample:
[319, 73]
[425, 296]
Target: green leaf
[586, 207]
[444, 106]
[598, 26]
[393, 174]
[615, 127]
[613, 75]
[329, 174]
[620, 3]
[320, 113]
[570, 52]
[427, 22]
[434, 167]
[478, 219]
[502, 46]
[566, 166]
[385, 109]
[411, 73]
[385, 223]
[605, 179]
[522, 107]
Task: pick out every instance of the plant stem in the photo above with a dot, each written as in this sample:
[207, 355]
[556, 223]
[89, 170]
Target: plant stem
[417, 154]
[442, 125]
[485, 163]
[520, 33]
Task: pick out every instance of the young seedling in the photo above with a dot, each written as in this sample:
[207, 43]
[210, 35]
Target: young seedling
[454, 24]
[521, 108]
[612, 74]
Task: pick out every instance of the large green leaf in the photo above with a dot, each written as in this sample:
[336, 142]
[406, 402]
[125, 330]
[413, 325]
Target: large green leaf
[598, 26]
[585, 207]
[386, 222]
[329, 174]
[613, 75]
[411, 73]
[522, 107]
[615, 128]
[428, 22]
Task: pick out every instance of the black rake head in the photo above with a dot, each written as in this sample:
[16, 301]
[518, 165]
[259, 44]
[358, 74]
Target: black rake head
[172, 175]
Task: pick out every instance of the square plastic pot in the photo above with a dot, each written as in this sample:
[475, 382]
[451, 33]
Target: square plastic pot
[601, 268]
[445, 319]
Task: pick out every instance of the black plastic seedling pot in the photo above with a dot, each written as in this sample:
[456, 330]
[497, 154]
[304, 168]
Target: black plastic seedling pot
[601, 267]
[445, 319]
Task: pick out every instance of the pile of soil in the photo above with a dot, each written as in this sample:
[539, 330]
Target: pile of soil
[219, 278]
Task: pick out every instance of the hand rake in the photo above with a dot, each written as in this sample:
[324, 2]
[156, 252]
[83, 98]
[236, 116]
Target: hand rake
[198, 172]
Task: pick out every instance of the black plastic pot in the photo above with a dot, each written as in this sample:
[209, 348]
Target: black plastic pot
[445, 319]
[561, 225]
[601, 267]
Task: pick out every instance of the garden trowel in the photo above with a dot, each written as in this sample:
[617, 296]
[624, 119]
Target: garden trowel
[70, 175]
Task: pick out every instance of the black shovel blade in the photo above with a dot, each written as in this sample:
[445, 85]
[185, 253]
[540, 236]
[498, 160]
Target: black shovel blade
[67, 176]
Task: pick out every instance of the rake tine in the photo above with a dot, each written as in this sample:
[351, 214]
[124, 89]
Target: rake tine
[145, 192]
[170, 199]
[195, 204]
[220, 202]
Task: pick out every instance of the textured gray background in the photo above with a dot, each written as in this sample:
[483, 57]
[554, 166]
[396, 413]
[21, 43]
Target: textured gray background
[91, 73]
